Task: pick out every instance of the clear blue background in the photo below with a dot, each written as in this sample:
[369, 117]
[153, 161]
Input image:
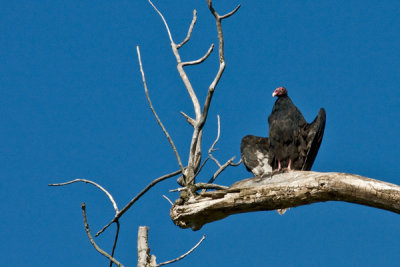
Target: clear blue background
[72, 105]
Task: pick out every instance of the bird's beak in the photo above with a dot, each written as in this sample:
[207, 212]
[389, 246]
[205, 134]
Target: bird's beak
[274, 94]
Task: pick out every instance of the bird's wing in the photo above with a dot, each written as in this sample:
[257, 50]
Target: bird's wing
[313, 134]
[254, 153]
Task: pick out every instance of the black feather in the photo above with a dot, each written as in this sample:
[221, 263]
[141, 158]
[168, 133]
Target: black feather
[291, 139]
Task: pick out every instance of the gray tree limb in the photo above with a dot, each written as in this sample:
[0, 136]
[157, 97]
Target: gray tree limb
[285, 190]
[143, 250]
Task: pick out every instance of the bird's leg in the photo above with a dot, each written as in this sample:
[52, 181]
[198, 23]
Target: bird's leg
[290, 163]
[278, 170]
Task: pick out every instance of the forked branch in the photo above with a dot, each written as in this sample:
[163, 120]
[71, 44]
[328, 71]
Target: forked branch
[200, 116]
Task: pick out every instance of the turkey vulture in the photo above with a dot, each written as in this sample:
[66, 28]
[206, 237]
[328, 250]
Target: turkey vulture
[292, 142]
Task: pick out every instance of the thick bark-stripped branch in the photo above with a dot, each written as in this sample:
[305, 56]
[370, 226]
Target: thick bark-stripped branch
[285, 190]
[143, 250]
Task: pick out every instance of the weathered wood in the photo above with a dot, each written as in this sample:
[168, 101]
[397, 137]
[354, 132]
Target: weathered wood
[284, 190]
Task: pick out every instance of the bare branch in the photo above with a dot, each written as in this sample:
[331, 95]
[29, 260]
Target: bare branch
[236, 164]
[143, 250]
[215, 142]
[188, 119]
[190, 30]
[194, 62]
[210, 186]
[147, 188]
[199, 186]
[165, 22]
[203, 117]
[184, 255]
[202, 165]
[182, 73]
[154, 112]
[221, 69]
[169, 200]
[284, 190]
[230, 13]
[221, 169]
[91, 238]
[96, 185]
[115, 242]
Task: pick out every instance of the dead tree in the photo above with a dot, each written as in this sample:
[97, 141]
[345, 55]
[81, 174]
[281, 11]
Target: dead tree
[196, 206]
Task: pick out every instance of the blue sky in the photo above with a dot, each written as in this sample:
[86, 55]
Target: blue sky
[72, 105]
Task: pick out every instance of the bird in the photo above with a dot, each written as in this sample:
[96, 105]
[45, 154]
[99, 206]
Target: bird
[292, 143]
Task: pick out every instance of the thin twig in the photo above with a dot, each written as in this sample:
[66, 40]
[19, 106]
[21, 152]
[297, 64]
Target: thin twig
[184, 255]
[189, 31]
[188, 119]
[236, 164]
[202, 165]
[115, 242]
[215, 142]
[91, 238]
[163, 19]
[230, 13]
[169, 200]
[194, 62]
[155, 113]
[147, 188]
[92, 183]
[223, 167]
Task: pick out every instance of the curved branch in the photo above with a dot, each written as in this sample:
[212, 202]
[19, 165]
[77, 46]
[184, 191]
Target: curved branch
[230, 13]
[92, 183]
[285, 190]
[195, 62]
[184, 255]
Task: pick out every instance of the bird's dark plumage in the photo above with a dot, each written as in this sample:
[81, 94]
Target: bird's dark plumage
[254, 152]
[292, 142]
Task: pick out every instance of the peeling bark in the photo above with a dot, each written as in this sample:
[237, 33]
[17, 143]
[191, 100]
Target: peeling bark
[285, 190]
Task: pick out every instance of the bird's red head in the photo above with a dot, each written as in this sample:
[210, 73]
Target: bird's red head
[280, 91]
